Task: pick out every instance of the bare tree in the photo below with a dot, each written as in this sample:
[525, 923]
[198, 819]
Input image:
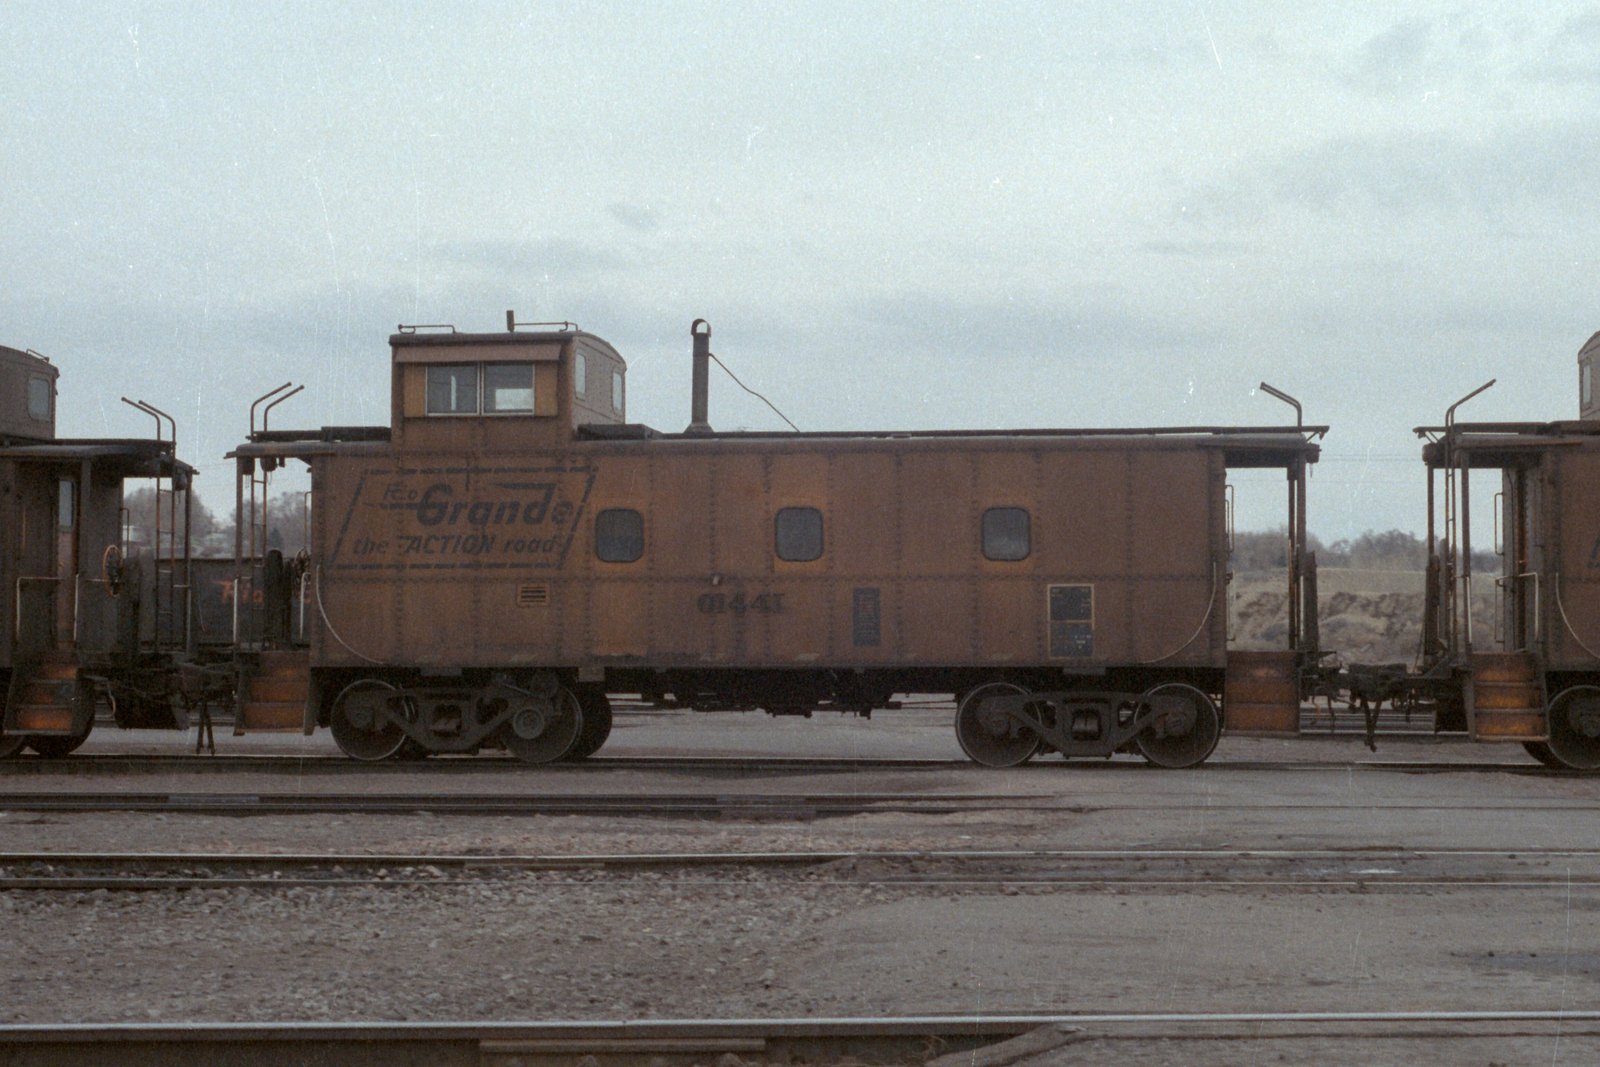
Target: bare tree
[288, 522]
[1391, 550]
[141, 521]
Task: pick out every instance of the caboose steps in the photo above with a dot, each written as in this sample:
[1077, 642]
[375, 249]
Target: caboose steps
[1506, 698]
[1505, 666]
[273, 694]
[1261, 696]
[277, 689]
[43, 698]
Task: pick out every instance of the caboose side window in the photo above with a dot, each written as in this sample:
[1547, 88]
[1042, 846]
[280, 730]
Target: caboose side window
[480, 388]
[1006, 534]
[616, 391]
[799, 534]
[618, 535]
[39, 398]
[580, 375]
[507, 388]
[1586, 385]
[453, 389]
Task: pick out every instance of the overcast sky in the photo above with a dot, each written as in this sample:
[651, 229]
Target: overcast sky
[906, 216]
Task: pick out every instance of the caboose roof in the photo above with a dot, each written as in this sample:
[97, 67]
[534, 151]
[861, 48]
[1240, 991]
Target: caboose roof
[1245, 446]
[122, 457]
[413, 346]
[1502, 444]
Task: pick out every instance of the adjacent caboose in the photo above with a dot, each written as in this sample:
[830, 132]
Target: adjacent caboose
[75, 631]
[511, 551]
[1535, 678]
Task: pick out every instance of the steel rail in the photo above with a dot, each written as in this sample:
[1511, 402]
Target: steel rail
[1368, 869]
[692, 1029]
[726, 805]
[777, 1040]
[752, 806]
[641, 859]
[289, 763]
[365, 1044]
[1200, 880]
[91, 764]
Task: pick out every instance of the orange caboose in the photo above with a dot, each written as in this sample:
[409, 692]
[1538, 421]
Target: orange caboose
[1534, 676]
[512, 551]
[75, 633]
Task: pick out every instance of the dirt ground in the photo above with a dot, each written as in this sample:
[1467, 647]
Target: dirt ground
[1366, 616]
[843, 940]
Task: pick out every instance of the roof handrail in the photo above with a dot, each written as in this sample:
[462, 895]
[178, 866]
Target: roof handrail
[266, 412]
[1299, 419]
[257, 403]
[157, 414]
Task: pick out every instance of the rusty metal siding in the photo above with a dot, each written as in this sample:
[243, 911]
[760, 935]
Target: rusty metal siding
[607, 606]
[934, 599]
[29, 546]
[902, 580]
[426, 563]
[866, 549]
[10, 528]
[680, 509]
[99, 524]
[1174, 530]
[1572, 542]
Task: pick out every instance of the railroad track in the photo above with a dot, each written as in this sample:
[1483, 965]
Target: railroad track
[129, 763]
[1317, 719]
[1364, 870]
[789, 807]
[984, 1040]
[106, 764]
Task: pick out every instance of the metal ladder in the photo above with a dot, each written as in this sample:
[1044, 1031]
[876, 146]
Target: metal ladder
[171, 610]
[254, 525]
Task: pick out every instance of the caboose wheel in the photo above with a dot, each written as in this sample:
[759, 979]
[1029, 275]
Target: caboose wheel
[57, 746]
[989, 736]
[359, 728]
[1186, 728]
[543, 728]
[596, 724]
[1575, 727]
[1540, 751]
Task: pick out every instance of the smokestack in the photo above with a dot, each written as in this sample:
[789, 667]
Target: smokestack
[700, 330]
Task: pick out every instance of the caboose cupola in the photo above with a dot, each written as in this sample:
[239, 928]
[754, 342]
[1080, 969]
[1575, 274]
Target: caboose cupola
[529, 387]
[27, 396]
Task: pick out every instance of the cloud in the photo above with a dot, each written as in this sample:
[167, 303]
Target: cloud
[1546, 167]
[1466, 52]
[1550, 166]
[1200, 249]
[635, 217]
[1572, 55]
[1392, 60]
[550, 256]
[1092, 325]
